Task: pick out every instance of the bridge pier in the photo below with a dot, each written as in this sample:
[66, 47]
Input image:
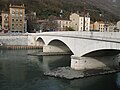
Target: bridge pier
[84, 63]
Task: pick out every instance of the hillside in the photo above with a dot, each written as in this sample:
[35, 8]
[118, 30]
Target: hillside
[112, 6]
[45, 8]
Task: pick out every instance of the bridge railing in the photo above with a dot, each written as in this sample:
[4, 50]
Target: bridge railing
[104, 36]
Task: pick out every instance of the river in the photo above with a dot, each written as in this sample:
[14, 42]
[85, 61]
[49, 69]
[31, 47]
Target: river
[20, 71]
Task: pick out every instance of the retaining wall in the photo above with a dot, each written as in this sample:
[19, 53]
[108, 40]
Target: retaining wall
[17, 39]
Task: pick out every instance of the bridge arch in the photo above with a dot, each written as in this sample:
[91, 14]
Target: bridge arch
[102, 52]
[60, 45]
[96, 48]
[40, 42]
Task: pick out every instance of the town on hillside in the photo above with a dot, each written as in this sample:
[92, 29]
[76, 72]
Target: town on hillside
[15, 20]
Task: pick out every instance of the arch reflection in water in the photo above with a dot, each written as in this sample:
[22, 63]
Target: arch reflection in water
[52, 62]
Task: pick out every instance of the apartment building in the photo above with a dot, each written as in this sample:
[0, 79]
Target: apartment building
[111, 27]
[62, 24]
[5, 21]
[80, 22]
[99, 26]
[102, 27]
[17, 18]
[118, 25]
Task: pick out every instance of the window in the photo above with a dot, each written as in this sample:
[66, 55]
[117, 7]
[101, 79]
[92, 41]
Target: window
[20, 24]
[60, 22]
[17, 15]
[16, 11]
[12, 15]
[12, 25]
[6, 19]
[13, 20]
[81, 28]
[6, 16]
[6, 24]
[20, 11]
[66, 22]
[20, 20]
[13, 28]
[13, 12]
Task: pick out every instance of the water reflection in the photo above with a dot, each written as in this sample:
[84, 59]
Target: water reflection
[118, 80]
[52, 62]
[106, 82]
[19, 71]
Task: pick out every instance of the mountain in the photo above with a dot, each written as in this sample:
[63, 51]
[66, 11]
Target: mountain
[44, 8]
[112, 6]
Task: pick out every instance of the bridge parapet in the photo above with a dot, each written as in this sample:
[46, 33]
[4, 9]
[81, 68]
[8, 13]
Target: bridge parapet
[107, 36]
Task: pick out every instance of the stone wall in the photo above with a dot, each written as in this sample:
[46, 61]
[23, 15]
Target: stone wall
[17, 39]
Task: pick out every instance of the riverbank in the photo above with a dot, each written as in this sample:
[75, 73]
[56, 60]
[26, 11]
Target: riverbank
[19, 47]
[69, 73]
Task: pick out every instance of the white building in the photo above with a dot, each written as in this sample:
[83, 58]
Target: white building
[62, 24]
[25, 26]
[77, 22]
[118, 25]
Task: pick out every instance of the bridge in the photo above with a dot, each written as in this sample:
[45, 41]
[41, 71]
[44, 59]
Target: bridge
[89, 49]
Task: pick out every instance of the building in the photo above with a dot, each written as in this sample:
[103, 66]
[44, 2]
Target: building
[5, 21]
[98, 26]
[111, 27]
[79, 22]
[40, 25]
[0, 23]
[0, 27]
[17, 18]
[91, 26]
[62, 24]
[118, 25]
[103, 27]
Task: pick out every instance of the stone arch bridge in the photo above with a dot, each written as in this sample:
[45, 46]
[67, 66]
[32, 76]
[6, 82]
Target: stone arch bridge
[89, 49]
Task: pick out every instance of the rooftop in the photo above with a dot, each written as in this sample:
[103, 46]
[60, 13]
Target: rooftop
[17, 6]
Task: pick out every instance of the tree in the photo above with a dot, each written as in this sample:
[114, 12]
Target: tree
[69, 29]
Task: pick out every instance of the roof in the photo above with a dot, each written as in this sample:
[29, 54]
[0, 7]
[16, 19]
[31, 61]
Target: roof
[82, 14]
[100, 22]
[17, 6]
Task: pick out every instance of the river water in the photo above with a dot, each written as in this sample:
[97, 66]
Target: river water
[20, 71]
